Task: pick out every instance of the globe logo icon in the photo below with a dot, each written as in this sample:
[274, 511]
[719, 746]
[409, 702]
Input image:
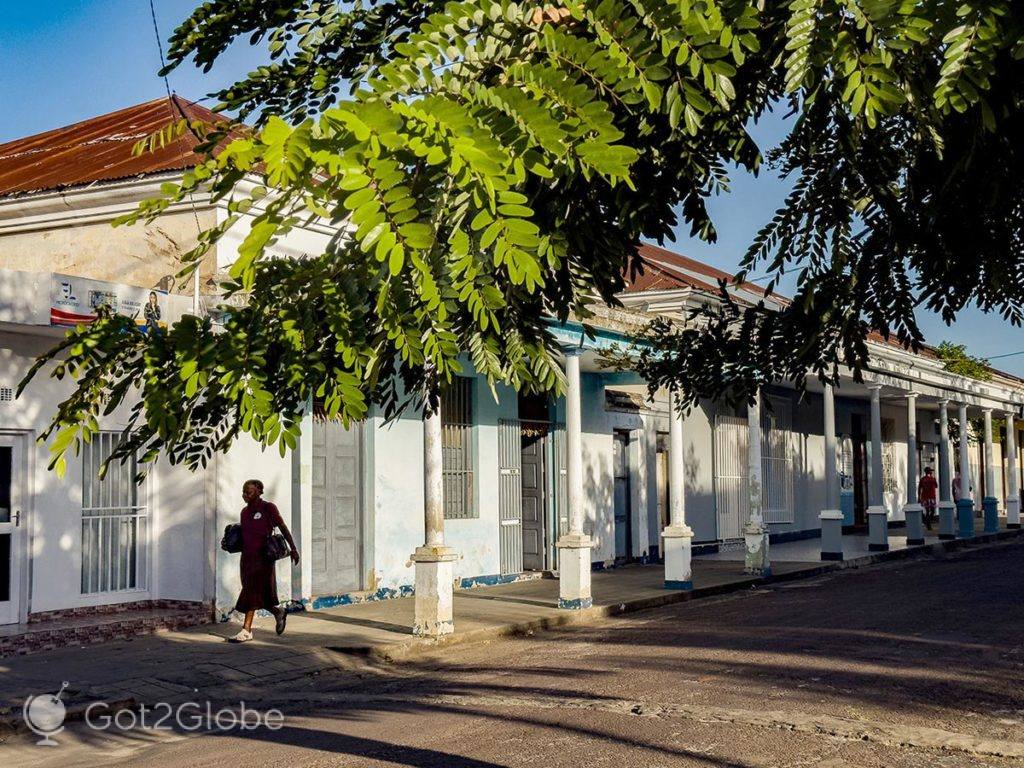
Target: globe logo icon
[44, 714]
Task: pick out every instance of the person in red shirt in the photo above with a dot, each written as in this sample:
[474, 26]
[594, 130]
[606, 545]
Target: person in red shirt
[926, 495]
[259, 578]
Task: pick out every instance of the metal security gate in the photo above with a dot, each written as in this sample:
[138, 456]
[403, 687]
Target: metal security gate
[731, 498]
[337, 507]
[510, 496]
[510, 493]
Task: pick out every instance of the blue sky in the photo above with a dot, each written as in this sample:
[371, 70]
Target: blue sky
[67, 60]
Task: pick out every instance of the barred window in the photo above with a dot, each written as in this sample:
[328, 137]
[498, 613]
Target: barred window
[115, 521]
[457, 448]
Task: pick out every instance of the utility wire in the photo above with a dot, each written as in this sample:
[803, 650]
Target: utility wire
[173, 105]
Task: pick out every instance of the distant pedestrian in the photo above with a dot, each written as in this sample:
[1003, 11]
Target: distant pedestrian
[259, 580]
[926, 496]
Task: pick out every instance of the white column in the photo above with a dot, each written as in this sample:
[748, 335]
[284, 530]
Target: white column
[302, 508]
[945, 475]
[831, 475]
[965, 461]
[831, 517]
[755, 533]
[433, 561]
[878, 515]
[574, 546]
[1012, 478]
[947, 509]
[677, 535]
[913, 512]
[876, 490]
[990, 470]
[912, 469]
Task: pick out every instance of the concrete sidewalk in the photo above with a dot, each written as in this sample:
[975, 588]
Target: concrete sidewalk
[197, 664]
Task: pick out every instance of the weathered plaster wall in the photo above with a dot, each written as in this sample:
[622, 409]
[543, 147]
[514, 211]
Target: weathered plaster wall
[143, 254]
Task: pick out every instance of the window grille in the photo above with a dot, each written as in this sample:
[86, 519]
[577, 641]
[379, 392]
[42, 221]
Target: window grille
[457, 448]
[115, 521]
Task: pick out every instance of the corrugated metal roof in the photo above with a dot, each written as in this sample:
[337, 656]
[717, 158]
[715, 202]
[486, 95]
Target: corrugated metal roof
[100, 149]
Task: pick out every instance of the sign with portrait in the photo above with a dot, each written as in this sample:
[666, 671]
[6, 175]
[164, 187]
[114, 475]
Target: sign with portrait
[75, 300]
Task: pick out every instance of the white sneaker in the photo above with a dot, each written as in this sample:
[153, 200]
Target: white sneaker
[243, 636]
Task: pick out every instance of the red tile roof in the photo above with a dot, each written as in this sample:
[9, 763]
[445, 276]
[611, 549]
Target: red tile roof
[665, 270]
[100, 149]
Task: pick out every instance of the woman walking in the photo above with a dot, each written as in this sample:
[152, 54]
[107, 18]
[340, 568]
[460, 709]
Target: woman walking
[259, 580]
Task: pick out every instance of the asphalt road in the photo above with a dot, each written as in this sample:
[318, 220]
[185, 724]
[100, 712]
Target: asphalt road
[913, 663]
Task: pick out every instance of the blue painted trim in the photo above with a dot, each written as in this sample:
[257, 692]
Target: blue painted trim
[991, 507]
[493, 580]
[573, 333]
[683, 585]
[878, 547]
[577, 604]
[965, 519]
[333, 601]
[831, 555]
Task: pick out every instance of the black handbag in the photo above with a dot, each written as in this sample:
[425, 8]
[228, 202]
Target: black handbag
[232, 540]
[276, 547]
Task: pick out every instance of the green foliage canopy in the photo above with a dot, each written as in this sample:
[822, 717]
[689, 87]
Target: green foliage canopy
[492, 164]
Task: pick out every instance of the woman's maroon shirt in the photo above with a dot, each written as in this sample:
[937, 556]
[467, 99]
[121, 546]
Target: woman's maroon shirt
[258, 521]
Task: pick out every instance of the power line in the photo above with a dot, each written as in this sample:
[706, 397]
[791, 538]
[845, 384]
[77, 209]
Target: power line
[1008, 354]
[172, 105]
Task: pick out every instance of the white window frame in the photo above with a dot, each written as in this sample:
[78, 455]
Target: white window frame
[116, 525]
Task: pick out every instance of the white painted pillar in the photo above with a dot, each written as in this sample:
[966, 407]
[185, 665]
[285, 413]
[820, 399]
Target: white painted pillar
[302, 509]
[878, 515]
[678, 536]
[831, 473]
[574, 547]
[965, 459]
[990, 470]
[755, 532]
[876, 489]
[990, 502]
[1012, 478]
[913, 512]
[965, 504]
[947, 509]
[433, 561]
[831, 517]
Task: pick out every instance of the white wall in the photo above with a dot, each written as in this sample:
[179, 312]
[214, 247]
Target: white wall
[53, 506]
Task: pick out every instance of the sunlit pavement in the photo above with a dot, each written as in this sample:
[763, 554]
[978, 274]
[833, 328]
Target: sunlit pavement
[911, 663]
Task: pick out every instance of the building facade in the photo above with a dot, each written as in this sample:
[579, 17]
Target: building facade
[603, 476]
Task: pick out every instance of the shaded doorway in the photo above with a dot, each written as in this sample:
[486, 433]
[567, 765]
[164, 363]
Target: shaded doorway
[622, 500]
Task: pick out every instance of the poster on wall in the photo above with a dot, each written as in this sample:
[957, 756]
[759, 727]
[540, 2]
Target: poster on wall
[75, 300]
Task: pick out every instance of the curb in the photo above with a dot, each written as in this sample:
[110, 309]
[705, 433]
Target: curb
[404, 651]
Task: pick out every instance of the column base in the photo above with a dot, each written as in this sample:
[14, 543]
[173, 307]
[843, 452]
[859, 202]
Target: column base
[878, 529]
[1012, 512]
[434, 591]
[831, 534]
[947, 520]
[678, 555]
[965, 519]
[990, 505]
[574, 572]
[914, 515]
[756, 562]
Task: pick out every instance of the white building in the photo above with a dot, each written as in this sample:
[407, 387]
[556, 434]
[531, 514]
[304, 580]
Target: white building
[355, 498]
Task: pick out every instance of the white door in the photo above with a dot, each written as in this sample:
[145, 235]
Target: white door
[10, 529]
